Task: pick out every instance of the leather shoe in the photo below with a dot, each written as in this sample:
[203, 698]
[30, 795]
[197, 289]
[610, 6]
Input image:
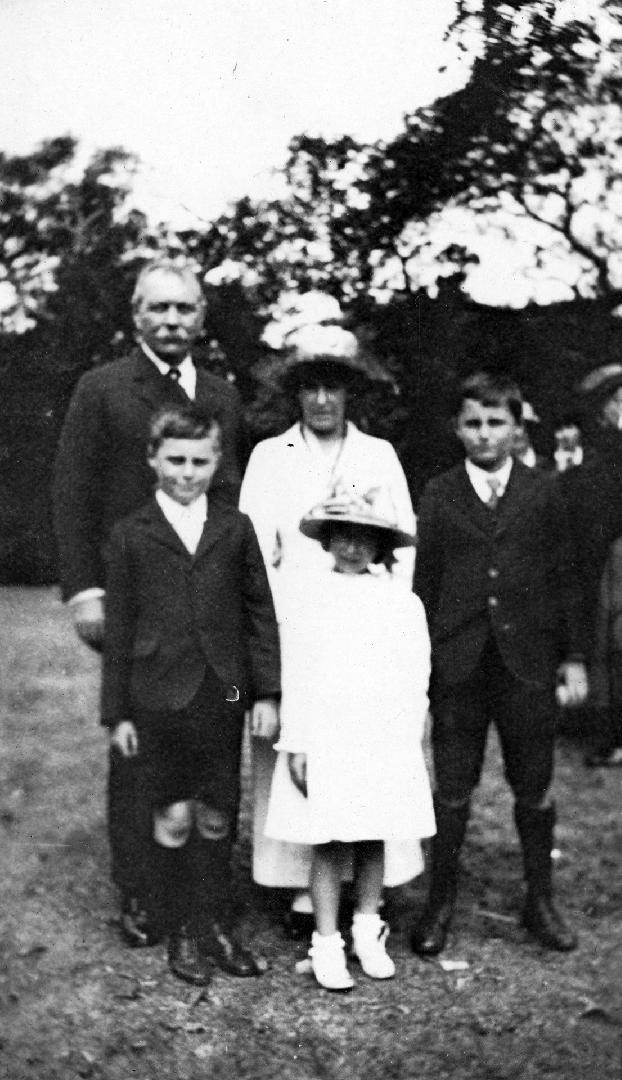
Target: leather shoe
[185, 959]
[545, 922]
[430, 934]
[219, 944]
[136, 929]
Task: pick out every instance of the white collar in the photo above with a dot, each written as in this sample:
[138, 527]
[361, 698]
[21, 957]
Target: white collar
[174, 511]
[162, 366]
[480, 478]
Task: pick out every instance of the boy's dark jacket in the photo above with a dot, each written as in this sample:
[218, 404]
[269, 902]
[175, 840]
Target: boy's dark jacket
[510, 571]
[169, 614]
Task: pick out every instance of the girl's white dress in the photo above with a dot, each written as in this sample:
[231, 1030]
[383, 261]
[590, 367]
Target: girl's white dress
[356, 664]
[285, 477]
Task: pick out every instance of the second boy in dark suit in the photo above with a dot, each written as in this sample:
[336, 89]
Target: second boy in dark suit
[191, 642]
[494, 571]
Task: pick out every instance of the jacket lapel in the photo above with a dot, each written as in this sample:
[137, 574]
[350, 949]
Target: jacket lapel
[517, 492]
[159, 529]
[216, 526]
[151, 386]
[466, 503]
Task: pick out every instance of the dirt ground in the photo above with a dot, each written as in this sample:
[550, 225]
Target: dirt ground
[76, 1003]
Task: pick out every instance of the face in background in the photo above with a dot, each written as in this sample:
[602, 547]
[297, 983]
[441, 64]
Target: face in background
[185, 467]
[323, 405]
[169, 315]
[487, 433]
[611, 412]
[567, 437]
[353, 547]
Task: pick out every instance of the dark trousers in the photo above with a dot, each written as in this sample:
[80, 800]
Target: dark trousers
[462, 714]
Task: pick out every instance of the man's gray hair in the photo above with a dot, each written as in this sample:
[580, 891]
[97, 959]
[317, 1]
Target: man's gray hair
[182, 270]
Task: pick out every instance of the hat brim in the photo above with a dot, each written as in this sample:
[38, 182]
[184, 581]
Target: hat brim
[298, 370]
[599, 391]
[317, 527]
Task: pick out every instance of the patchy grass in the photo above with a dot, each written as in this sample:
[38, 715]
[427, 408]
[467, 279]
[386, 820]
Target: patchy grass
[76, 1003]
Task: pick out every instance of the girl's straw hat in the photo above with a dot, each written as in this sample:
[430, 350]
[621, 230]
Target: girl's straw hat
[346, 509]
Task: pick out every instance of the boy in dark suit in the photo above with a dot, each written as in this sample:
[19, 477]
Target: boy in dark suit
[494, 571]
[191, 641]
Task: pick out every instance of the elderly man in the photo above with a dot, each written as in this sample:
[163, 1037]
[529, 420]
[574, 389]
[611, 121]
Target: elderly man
[102, 474]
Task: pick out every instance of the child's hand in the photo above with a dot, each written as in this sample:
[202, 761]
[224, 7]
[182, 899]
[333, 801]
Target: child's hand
[297, 764]
[125, 738]
[572, 684]
[265, 719]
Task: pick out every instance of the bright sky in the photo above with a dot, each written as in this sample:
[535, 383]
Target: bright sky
[209, 92]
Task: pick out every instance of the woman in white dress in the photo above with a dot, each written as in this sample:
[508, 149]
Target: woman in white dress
[285, 476]
[350, 773]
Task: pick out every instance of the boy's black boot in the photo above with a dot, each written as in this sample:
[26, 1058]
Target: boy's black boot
[430, 934]
[170, 903]
[535, 827]
[185, 959]
[211, 874]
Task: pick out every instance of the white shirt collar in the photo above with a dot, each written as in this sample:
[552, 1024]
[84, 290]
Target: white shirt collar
[480, 478]
[186, 369]
[187, 521]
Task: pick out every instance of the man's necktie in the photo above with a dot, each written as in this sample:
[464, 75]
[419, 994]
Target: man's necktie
[495, 492]
[172, 375]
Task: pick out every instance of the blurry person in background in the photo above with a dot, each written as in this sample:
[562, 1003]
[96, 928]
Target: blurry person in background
[568, 453]
[523, 449]
[593, 495]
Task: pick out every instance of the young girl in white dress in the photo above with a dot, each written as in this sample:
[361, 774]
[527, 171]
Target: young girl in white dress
[350, 772]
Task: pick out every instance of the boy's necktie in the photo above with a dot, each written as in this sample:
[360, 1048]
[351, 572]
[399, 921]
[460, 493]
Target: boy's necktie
[495, 492]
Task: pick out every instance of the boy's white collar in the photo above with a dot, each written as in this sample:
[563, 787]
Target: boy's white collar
[480, 478]
[172, 509]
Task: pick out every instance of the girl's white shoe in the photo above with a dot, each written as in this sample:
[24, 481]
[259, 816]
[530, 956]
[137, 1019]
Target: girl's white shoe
[328, 962]
[369, 939]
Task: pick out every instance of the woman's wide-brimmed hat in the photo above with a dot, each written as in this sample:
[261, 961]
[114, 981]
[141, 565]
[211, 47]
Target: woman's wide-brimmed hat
[600, 383]
[318, 350]
[369, 511]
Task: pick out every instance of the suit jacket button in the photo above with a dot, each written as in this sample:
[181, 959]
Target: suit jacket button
[493, 601]
[493, 572]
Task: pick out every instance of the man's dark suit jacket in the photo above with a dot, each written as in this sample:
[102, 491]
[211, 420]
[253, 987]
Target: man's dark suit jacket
[101, 469]
[509, 572]
[170, 614]
[592, 493]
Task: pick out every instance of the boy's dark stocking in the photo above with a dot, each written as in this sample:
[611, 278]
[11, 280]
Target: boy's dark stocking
[209, 851]
[429, 935]
[535, 827]
[170, 903]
